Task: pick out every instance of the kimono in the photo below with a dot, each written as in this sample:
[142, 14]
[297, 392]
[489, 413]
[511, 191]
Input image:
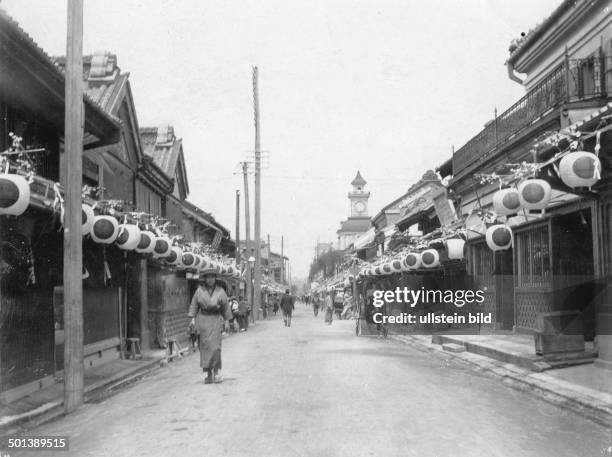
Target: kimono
[329, 309]
[210, 312]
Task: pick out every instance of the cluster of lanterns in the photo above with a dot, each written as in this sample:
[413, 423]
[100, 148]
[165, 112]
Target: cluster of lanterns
[429, 258]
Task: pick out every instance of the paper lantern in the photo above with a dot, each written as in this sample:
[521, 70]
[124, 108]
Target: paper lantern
[580, 169]
[430, 258]
[386, 268]
[146, 245]
[499, 237]
[204, 264]
[189, 259]
[105, 229]
[455, 248]
[14, 194]
[506, 201]
[534, 193]
[413, 261]
[87, 218]
[378, 270]
[128, 237]
[175, 255]
[198, 260]
[396, 266]
[162, 246]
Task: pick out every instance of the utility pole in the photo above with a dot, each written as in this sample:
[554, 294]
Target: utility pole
[282, 260]
[238, 227]
[257, 286]
[73, 239]
[269, 257]
[247, 227]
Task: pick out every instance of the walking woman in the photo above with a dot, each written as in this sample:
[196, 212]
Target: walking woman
[210, 313]
[328, 305]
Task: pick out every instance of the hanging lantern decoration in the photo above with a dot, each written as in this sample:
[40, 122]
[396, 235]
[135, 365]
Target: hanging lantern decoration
[580, 169]
[175, 256]
[105, 229]
[204, 264]
[189, 259]
[396, 266]
[413, 261]
[430, 258]
[499, 237]
[87, 216]
[146, 245]
[230, 270]
[506, 201]
[14, 194]
[455, 248]
[197, 261]
[128, 237]
[534, 193]
[163, 246]
[386, 268]
[378, 270]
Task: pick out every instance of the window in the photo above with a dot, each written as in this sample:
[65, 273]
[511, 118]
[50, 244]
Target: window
[483, 264]
[533, 257]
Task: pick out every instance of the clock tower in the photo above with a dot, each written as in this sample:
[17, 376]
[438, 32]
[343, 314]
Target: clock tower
[358, 222]
[359, 197]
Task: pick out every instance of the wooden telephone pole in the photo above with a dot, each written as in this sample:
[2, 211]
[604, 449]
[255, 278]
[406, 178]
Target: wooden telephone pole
[282, 260]
[73, 239]
[247, 243]
[257, 239]
[237, 228]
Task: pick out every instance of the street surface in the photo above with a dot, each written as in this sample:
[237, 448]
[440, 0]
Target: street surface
[316, 390]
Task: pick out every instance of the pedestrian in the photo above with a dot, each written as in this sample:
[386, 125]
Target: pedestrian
[328, 305]
[243, 315]
[347, 307]
[235, 307]
[210, 313]
[287, 306]
[316, 304]
[275, 304]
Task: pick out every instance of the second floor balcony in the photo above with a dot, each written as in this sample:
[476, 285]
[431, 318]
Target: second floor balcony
[577, 80]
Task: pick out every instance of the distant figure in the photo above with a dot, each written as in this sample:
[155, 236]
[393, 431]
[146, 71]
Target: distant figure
[275, 305]
[287, 306]
[328, 305]
[243, 314]
[316, 304]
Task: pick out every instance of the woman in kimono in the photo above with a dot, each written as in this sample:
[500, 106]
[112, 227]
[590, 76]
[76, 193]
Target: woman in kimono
[210, 313]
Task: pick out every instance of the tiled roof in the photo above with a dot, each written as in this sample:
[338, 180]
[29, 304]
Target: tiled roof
[355, 224]
[52, 62]
[165, 154]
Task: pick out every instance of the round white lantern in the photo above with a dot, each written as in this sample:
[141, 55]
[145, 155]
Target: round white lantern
[499, 237]
[14, 194]
[189, 259]
[175, 255]
[430, 258]
[204, 264]
[378, 270]
[87, 216]
[105, 229]
[506, 201]
[580, 169]
[413, 261]
[386, 268]
[534, 193]
[396, 265]
[162, 246]
[146, 245]
[455, 247]
[128, 237]
[198, 261]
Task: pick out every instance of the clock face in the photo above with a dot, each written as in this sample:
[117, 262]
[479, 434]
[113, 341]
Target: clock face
[359, 207]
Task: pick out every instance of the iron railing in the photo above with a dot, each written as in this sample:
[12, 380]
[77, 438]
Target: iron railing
[576, 79]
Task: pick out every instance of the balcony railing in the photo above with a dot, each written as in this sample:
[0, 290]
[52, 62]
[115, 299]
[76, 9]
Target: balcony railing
[577, 79]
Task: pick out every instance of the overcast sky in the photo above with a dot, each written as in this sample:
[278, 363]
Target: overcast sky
[384, 86]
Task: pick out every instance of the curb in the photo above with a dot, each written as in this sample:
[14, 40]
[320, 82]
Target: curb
[580, 400]
[55, 409]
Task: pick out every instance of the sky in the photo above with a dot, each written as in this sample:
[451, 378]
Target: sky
[386, 87]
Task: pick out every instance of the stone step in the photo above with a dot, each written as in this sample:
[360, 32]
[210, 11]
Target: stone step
[453, 347]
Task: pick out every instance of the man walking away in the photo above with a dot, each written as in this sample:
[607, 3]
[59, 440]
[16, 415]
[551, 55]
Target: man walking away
[287, 306]
[316, 303]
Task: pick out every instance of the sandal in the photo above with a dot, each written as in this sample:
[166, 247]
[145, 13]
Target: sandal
[218, 379]
[208, 380]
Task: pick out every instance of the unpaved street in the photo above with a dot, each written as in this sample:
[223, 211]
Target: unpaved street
[315, 390]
